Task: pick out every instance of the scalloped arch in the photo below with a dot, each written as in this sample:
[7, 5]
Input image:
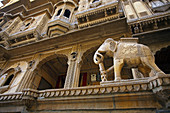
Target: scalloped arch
[65, 1]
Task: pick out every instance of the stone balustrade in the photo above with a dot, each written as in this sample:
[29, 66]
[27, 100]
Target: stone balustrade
[11, 96]
[156, 84]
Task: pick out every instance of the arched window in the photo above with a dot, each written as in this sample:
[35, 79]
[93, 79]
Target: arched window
[67, 13]
[59, 12]
[53, 70]
[8, 81]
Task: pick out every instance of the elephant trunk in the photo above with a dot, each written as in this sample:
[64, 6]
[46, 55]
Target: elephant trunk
[98, 58]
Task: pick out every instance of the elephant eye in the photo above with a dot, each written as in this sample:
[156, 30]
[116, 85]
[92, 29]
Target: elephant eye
[102, 52]
[99, 56]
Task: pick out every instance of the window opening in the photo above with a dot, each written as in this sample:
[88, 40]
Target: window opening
[67, 13]
[9, 80]
[59, 12]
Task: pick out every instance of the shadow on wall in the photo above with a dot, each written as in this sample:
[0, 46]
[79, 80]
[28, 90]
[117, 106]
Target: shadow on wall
[162, 59]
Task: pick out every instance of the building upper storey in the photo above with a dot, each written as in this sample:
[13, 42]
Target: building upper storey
[28, 21]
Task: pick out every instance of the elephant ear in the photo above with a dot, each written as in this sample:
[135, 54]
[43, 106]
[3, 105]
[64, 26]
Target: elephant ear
[113, 46]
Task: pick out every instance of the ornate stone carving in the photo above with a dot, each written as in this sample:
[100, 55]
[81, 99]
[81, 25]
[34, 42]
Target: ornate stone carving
[73, 55]
[17, 69]
[27, 23]
[95, 3]
[126, 52]
[31, 63]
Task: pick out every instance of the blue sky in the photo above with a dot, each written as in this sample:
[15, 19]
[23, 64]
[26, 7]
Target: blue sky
[1, 3]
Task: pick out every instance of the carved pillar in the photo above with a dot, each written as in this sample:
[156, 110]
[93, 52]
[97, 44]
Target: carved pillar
[24, 80]
[30, 74]
[73, 71]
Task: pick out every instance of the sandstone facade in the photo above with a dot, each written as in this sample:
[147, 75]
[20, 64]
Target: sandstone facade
[47, 49]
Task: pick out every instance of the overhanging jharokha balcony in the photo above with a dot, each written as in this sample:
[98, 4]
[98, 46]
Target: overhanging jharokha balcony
[99, 14]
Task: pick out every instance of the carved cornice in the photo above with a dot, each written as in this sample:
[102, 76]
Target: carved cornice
[24, 12]
[149, 24]
[116, 16]
[149, 18]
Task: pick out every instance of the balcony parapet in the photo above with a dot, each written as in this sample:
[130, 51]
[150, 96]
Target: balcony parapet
[11, 96]
[98, 9]
[99, 14]
[158, 84]
[149, 23]
[57, 26]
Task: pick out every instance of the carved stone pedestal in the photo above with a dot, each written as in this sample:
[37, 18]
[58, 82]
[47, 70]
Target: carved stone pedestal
[159, 85]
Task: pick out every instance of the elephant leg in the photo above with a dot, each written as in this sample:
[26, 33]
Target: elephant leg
[118, 64]
[136, 73]
[151, 64]
[144, 70]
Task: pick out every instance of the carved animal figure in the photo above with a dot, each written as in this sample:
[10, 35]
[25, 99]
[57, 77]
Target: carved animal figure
[128, 53]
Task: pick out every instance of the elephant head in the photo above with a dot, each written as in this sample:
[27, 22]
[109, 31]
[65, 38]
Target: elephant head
[108, 47]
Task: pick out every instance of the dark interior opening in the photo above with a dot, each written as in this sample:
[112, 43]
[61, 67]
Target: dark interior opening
[59, 12]
[44, 84]
[67, 13]
[8, 81]
[162, 59]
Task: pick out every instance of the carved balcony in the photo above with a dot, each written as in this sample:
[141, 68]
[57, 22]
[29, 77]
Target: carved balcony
[100, 14]
[150, 24]
[57, 26]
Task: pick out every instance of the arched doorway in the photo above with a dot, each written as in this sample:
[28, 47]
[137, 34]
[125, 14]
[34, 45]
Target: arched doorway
[53, 72]
[89, 73]
[162, 59]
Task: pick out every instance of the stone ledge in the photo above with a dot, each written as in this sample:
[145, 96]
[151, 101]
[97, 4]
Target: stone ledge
[109, 87]
[11, 96]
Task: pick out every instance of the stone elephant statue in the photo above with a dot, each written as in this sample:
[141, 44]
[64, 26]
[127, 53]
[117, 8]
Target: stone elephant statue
[126, 52]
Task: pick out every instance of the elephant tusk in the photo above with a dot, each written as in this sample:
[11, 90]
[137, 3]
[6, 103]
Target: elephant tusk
[110, 69]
